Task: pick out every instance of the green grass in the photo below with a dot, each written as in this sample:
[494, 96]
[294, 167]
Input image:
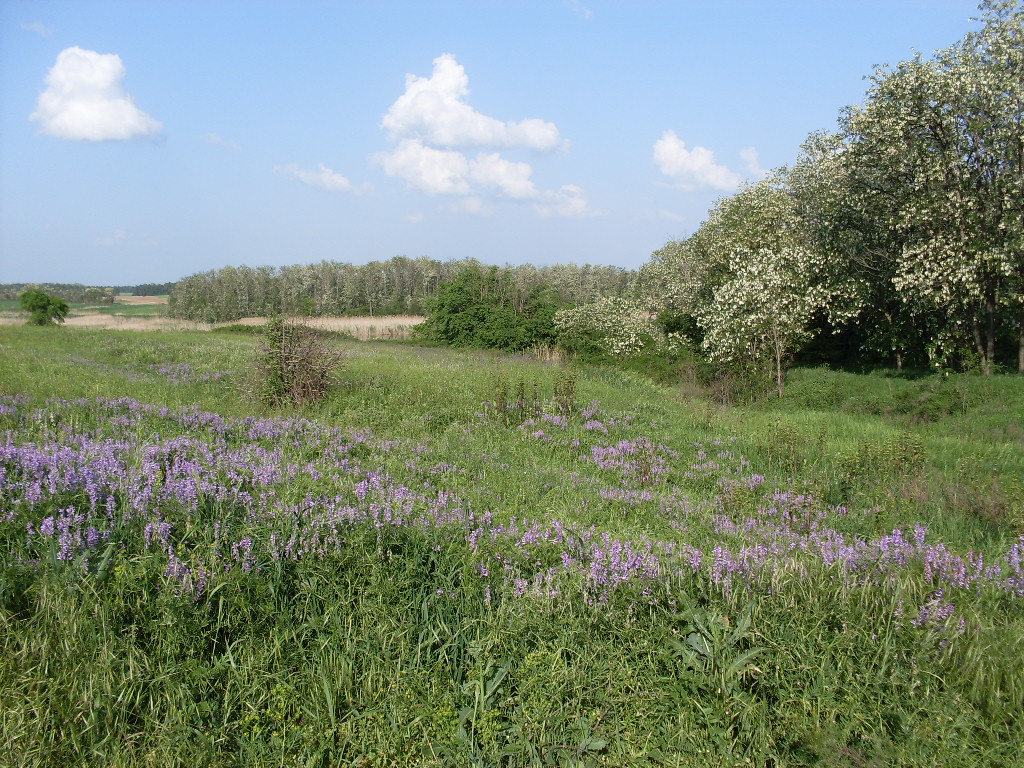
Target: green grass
[357, 659]
[128, 310]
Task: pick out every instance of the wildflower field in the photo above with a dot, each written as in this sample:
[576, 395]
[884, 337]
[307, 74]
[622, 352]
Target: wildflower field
[463, 559]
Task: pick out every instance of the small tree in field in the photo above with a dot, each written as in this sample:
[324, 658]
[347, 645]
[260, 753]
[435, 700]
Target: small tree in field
[43, 308]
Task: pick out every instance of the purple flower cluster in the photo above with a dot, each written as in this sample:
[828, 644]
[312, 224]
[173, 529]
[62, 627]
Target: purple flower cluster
[212, 495]
[638, 459]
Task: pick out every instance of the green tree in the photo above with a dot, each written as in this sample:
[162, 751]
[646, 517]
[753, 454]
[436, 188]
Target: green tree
[937, 149]
[482, 307]
[43, 309]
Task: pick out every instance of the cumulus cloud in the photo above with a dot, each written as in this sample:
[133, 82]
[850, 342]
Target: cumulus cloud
[753, 161]
[437, 171]
[447, 172]
[692, 168]
[432, 109]
[511, 179]
[567, 202]
[322, 178]
[432, 125]
[84, 100]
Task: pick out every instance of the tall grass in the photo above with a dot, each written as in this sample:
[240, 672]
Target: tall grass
[404, 575]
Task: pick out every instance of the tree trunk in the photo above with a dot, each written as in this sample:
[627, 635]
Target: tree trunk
[1020, 343]
[990, 361]
[778, 367]
[981, 348]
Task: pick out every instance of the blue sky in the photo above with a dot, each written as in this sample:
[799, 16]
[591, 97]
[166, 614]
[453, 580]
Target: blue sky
[145, 141]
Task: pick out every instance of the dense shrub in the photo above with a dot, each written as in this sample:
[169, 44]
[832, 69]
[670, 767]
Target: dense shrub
[43, 308]
[485, 309]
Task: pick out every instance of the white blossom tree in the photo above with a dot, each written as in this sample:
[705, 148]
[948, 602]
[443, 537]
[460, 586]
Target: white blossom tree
[944, 136]
[616, 326]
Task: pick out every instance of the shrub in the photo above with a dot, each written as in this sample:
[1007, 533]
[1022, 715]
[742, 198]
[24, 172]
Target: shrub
[293, 364]
[43, 308]
[615, 327]
[485, 309]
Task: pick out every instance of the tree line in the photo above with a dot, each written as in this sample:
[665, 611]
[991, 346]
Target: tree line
[75, 293]
[400, 285]
[897, 239]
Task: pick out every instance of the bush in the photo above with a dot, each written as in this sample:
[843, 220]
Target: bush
[293, 365]
[43, 308]
[484, 309]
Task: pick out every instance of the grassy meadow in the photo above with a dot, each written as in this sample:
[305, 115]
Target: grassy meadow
[467, 559]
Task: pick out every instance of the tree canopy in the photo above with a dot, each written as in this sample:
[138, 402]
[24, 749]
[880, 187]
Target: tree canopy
[901, 233]
[43, 309]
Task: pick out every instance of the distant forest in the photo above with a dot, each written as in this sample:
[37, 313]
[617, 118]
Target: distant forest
[400, 285]
[87, 294]
[71, 292]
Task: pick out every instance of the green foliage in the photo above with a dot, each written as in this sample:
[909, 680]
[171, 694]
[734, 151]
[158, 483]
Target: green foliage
[903, 231]
[398, 286]
[390, 652]
[43, 309]
[485, 309]
[74, 293]
[513, 402]
[146, 289]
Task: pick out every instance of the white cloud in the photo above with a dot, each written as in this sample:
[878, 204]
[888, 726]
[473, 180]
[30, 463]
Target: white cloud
[219, 141]
[692, 168]
[511, 179]
[567, 202]
[447, 172]
[437, 171]
[322, 178]
[40, 29]
[753, 161]
[84, 100]
[432, 125]
[432, 109]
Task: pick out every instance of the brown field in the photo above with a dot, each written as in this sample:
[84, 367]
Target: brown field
[135, 300]
[363, 328]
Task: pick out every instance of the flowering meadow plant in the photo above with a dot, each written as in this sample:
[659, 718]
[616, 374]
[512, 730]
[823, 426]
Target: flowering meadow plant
[207, 495]
[442, 581]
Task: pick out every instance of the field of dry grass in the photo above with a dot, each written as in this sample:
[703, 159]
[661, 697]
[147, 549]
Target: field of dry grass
[363, 328]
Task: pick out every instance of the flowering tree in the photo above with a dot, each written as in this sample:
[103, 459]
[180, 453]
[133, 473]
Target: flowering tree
[938, 150]
[614, 326]
[759, 284]
[765, 309]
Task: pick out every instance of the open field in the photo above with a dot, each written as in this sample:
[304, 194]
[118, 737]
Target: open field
[598, 571]
[149, 313]
[384, 327]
